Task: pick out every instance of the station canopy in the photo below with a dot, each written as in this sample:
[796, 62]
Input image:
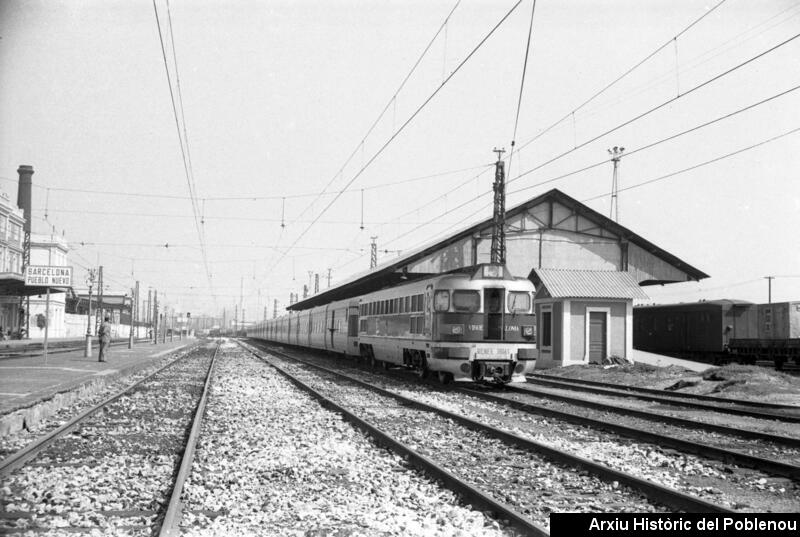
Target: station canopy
[550, 231]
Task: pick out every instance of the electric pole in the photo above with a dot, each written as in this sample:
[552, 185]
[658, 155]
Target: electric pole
[498, 248]
[769, 288]
[275, 309]
[616, 155]
[87, 352]
[316, 283]
[373, 253]
[329, 278]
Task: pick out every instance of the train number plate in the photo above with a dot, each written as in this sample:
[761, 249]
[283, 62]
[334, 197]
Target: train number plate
[491, 353]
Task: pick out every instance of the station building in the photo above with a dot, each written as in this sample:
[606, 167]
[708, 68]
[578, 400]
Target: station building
[587, 270]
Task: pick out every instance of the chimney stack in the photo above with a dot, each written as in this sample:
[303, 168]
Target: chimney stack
[24, 196]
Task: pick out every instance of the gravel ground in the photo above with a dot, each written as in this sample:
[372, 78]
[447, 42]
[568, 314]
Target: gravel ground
[760, 448]
[732, 381]
[531, 484]
[113, 472]
[736, 488]
[272, 461]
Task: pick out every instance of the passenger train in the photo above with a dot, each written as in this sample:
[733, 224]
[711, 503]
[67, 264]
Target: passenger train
[474, 324]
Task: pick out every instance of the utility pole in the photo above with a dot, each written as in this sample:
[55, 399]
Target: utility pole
[373, 253]
[769, 288]
[155, 317]
[305, 291]
[100, 309]
[275, 309]
[316, 283]
[616, 155]
[329, 278]
[498, 248]
[235, 319]
[87, 352]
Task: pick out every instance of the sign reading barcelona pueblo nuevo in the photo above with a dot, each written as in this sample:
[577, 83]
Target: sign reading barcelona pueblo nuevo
[48, 276]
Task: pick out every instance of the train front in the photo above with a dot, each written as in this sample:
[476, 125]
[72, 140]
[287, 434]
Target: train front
[483, 327]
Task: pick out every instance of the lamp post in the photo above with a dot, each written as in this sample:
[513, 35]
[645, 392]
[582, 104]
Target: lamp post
[87, 353]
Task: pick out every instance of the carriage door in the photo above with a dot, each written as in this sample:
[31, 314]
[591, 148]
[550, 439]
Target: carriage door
[597, 336]
[493, 301]
[333, 325]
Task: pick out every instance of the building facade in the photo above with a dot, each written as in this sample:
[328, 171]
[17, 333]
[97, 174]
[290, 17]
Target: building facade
[11, 251]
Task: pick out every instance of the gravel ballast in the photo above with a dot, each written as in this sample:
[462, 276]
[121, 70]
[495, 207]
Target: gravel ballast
[272, 461]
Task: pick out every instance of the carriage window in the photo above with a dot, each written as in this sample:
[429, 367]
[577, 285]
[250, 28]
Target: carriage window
[519, 302]
[469, 301]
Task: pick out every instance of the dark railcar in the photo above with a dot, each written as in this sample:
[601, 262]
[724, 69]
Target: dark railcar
[698, 330]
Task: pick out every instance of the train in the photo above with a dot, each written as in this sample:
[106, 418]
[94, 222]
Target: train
[469, 325]
[721, 331]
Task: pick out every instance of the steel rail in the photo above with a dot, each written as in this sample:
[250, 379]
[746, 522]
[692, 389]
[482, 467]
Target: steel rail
[655, 416]
[699, 397]
[19, 458]
[660, 493]
[172, 516]
[667, 400]
[704, 450]
[469, 493]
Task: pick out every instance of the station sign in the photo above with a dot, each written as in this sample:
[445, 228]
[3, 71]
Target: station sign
[48, 276]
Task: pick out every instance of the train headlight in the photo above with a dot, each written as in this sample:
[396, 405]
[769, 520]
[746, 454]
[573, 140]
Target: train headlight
[527, 331]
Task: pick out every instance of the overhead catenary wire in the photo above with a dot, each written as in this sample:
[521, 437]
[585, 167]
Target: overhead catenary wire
[623, 75]
[182, 143]
[392, 102]
[604, 161]
[404, 125]
[638, 117]
[521, 87]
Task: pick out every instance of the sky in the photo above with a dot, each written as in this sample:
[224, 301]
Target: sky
[307, 133]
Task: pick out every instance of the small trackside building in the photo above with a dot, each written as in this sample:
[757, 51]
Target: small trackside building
[584, 316]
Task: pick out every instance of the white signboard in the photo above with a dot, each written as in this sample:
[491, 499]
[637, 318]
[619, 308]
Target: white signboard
[48, 276]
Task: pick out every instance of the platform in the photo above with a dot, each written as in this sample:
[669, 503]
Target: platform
[27, 380]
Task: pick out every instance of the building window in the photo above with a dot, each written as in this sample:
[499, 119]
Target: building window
[15, 233]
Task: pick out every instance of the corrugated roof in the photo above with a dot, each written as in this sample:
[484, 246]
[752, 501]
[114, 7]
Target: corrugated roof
[562, 283]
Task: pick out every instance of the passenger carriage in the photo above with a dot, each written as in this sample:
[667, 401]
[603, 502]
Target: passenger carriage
[476, 324]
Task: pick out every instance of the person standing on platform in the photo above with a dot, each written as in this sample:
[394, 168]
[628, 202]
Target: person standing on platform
[105, 339]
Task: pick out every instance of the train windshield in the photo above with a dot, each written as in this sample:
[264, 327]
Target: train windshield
[466, 301]
[519, 302]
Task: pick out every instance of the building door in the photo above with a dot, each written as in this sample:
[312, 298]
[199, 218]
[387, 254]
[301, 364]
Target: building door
[598, 321]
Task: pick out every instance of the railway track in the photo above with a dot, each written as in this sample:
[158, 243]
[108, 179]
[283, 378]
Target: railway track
[709, 464]
[110, 468]
[273, 461]
[525, 469]
[784, 413]
[677, 395]
[748, 428]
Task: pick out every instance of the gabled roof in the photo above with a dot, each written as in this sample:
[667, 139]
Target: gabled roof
[562, 283]
[390, 273]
